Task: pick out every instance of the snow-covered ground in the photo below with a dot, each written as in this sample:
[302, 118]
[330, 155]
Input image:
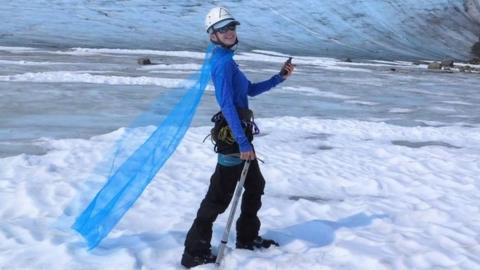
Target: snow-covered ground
[366, 167]
[341, 194]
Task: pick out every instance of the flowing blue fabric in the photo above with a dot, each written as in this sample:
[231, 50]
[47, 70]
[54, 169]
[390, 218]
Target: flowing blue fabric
[132, 177]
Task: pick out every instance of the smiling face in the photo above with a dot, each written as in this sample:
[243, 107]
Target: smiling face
[226, 35]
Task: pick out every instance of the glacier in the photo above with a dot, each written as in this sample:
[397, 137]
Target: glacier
[370, 164]
[369, 29]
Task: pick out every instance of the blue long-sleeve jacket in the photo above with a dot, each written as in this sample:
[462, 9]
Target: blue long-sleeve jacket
[231, 90]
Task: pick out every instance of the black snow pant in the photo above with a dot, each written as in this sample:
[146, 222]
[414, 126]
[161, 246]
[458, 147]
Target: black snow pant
[219, 194]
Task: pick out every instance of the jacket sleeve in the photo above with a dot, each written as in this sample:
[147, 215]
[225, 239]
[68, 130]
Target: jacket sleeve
[222, 81]
[258, 88]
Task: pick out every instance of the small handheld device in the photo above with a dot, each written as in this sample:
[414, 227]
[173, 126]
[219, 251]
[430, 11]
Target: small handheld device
[284, 72]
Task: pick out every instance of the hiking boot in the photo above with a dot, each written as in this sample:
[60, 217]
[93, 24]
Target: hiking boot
[190, 261]
[258, 243]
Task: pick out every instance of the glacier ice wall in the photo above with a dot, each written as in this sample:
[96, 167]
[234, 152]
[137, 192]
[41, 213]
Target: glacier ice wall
[400, 29]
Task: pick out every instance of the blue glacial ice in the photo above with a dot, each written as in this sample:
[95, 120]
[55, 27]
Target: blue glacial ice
[387, 29]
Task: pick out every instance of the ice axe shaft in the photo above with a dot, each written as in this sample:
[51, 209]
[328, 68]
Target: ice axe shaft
[236, 197]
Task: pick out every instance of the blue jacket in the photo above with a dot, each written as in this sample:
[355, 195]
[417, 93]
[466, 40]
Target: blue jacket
[231, 90]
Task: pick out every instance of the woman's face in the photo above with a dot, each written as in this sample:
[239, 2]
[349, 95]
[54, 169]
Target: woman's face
[226, 35]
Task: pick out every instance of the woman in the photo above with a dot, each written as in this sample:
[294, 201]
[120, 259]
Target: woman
[233, 134]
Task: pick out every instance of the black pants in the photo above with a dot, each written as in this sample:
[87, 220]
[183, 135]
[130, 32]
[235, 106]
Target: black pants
[219, 195]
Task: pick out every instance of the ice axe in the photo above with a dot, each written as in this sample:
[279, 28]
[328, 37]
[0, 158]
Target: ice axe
[236, 197]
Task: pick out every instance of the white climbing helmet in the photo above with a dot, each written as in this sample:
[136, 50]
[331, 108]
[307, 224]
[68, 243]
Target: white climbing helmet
[218, 17]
